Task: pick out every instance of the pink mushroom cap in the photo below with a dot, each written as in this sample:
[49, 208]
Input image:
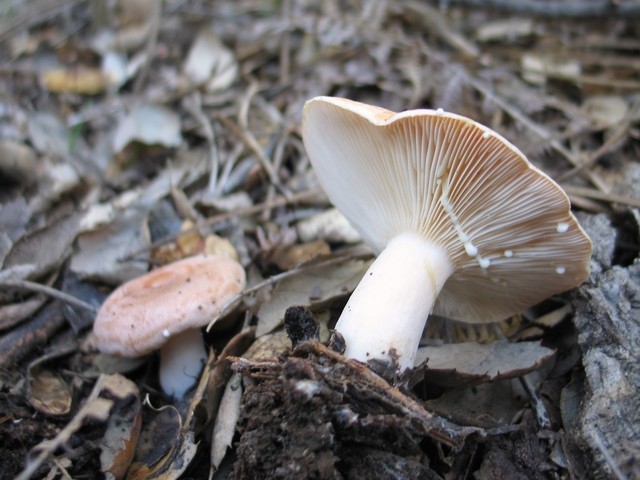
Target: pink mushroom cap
[144, 313]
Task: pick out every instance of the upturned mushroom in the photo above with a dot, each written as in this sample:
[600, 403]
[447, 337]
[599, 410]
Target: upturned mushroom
[464, 225]
[165, 309]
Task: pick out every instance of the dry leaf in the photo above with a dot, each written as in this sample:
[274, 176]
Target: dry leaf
[294, 255]
[216, 245]
[17, 161]
[167, 444]
[148, 124]
[48, 392]
[537, 69]
[118, 444]
[268, 347]
[606, 110]
[157, 443]
[47, 247]
[100, 252]
[48, 134]
[487, 405]
[313, 287]
[463, 363]
[329, 225]
[210, 61]
[226, 419]
[510, 30]
[83, 81]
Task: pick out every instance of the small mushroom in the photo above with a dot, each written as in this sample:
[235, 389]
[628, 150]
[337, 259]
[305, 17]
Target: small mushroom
[165, 309]
[464, 225]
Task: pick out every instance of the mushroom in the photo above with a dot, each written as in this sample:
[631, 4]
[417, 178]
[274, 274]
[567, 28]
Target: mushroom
[464, 225]
[165, 309]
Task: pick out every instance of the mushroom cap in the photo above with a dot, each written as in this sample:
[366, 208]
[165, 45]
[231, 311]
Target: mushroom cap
[505, 225]
[142, 314]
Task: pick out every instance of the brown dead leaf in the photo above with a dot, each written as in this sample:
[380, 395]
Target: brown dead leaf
[167, 444]
[46, 247]
[47, 391]
[455, 364]
[100, 252]
[157, 443]
[178, 448]
[118, 444]
[17, 161]
[488, 405]
[294, 255]
[225, 424]
[82, 81]
[312, 288]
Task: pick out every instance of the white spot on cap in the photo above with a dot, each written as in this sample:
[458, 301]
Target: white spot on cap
[484, 262]
[508, 253]
[471, 249]
[562, 227]
[440, 111]
[166, 333]
[560, 270]
[485, 135]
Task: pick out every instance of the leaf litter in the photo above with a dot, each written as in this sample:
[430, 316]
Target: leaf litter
[137, 135]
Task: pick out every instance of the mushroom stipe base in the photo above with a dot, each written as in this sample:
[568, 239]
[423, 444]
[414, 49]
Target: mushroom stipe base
[390, 311]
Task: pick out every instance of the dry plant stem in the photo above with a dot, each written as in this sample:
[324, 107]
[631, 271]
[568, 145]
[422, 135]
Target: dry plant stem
[432, 20]
[388, 310]
[285, 45]
[193, 104]
[572, 190]
[278, 157]
[52, 292]
[527, 122]
[150, 48]
[612, 143]
[542, 415]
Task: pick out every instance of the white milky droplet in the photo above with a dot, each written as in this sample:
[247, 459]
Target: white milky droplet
[485, 135]
[440, 111]
[560, 270]
[471, 250]
[484, 262]
[508, 253]
[166, 333]
[562, 227]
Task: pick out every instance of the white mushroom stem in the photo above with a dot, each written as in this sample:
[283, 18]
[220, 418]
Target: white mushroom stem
[181, 361]
[389, 308]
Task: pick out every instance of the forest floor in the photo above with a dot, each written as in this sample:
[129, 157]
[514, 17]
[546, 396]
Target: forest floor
[137, 133]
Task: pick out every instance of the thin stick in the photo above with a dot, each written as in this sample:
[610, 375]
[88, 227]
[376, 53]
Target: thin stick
[52, 292]
[598, 195]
